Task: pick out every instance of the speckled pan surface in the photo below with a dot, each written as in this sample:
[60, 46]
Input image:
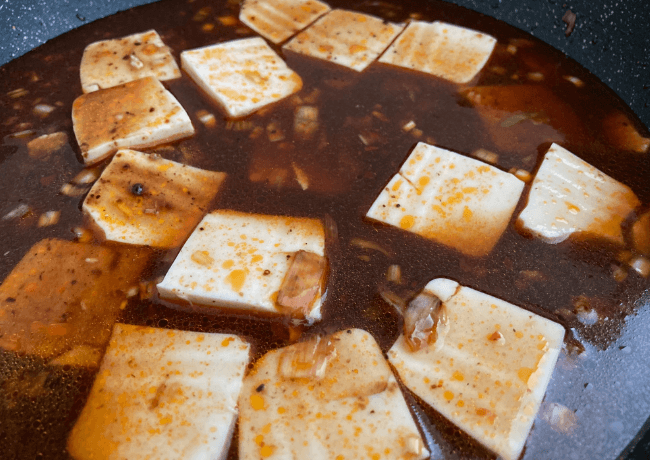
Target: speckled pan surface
[610, 40]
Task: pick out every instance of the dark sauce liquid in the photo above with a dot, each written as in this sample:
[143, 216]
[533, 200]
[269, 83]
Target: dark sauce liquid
[39, 403]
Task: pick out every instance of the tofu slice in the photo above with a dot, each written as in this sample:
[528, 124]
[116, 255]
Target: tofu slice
[138, 114]
[488, 370]
[330, 398]
[147, 200]
[109, 63]
[277, 20]
[162, 394]
[454, 200]
[241, 75]
[570, 196]
[239, 260]
[346, 38]
[63, 298]
[447, 51]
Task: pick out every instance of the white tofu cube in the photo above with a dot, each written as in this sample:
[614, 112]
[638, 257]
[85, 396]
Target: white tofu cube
[147, 200]
[488, 370]
[137, 114]
[570, 196]
[162, 394]
[447, 51]
[349, 406]
[240, 260]
[346, 38]
[454, 200]
[241, 75]
[109, 63]
[277, 20]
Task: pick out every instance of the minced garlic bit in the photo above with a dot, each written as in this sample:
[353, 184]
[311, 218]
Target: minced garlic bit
[641, 265]
[486, 155]
[575, 80]
[43, 110]
[18, 212]
[49, 218]
[408, 126]
[305, 122]
[207, 118]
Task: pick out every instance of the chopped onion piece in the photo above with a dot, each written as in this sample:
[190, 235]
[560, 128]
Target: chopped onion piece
[20, 92]
[43, 110]
[307, 359]
[72, 190]
[421, 320]
[302, 283]
[24, 133]
[207, 118]
[641, 265]
[365, 244]
[301, 177]
[18, 212]
[486, 155]
[575, 80]
[521, 174]
[393, 299]
[408, 126]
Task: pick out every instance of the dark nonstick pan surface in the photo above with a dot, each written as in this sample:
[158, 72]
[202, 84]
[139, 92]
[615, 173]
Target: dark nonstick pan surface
[610, 39]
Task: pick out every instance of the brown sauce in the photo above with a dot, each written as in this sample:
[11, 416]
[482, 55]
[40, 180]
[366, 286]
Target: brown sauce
[39, 404]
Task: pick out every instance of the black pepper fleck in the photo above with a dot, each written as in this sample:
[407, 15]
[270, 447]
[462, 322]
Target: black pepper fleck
[137, 189]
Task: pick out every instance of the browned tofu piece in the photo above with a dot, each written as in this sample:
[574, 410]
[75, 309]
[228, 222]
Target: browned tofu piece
[519, 118]
[137, 114]
[146, 200]
[620, 133]
[64, 294]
